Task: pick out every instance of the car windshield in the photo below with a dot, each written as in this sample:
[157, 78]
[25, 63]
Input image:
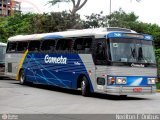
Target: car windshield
[131, 50]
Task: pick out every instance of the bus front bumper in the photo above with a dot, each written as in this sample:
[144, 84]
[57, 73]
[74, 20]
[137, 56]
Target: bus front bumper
[2, 74]
[123, 90]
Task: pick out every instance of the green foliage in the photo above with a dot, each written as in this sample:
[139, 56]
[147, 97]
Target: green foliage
[36, 23]
[14, 25]
[158, 60]
[94, 20]
[151, 29]
[63, 21]
[158, 85]
[122, 19]
[59, 21]
[130, 20]
[158, 53]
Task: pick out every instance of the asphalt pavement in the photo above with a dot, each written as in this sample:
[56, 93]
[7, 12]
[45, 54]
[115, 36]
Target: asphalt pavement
[39, 99]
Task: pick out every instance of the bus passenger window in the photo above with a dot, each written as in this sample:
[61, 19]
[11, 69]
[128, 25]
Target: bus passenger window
[34, 46]
[12, 47]
[64, 44]
[48, 45]
[83, 44]
[87, 44]
[22, 46]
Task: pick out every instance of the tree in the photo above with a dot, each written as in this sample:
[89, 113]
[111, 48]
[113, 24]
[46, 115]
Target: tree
[94, 20]
[124, 20]
[121, 19]
[158, 60]
[77, 5]
[14, 25]
[35, 23]
[59, 21]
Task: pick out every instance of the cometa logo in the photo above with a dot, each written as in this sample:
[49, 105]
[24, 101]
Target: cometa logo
[137, 65]
[55, 60]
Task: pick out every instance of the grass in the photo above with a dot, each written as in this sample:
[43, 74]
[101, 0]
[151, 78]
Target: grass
[158, 85]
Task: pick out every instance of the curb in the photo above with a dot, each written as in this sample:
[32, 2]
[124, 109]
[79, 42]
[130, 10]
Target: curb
[158, 90]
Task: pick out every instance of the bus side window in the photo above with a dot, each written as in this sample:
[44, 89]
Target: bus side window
[12, 46]
[87, 44]
[83, 44]
[64, 44]
[48, 45]
[68, 44]
[100, 56]
[34, 46]
[22, 46]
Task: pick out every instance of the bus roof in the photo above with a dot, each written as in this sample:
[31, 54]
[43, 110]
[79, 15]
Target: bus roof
[97, 32]
[3, 44]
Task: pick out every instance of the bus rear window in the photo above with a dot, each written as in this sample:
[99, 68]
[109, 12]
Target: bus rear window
[12, 47]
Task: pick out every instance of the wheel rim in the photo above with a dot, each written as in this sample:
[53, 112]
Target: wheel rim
[83, 86]
[22, 78]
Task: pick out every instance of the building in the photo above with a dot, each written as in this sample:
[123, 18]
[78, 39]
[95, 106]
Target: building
[9, 7]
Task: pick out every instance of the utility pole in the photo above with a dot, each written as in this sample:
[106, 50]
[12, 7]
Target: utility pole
[110, 11]
[110, 8]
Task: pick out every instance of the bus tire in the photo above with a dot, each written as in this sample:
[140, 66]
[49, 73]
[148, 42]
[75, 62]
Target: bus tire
[85, 87]
[123, 96]
[22, 77]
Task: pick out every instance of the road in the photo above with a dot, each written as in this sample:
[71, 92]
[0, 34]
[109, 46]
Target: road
[38, 99]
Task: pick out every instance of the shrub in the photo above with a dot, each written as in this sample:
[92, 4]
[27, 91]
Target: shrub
[158, 85]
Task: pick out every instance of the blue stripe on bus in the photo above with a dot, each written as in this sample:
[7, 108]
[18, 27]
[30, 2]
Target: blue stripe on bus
[129, 35]
[134, 80]
[52, 37]
[57, 74]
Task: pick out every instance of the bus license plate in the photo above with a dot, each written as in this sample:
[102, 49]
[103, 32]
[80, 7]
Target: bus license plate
[137, 89]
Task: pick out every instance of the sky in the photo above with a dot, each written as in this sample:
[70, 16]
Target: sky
[147, 10]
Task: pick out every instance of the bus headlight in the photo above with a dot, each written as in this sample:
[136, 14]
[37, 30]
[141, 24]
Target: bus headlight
[121, 80]
[151, 81]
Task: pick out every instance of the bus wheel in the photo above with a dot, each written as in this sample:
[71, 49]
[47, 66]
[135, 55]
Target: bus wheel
[22, 77]
[123, 96]
[85, 87]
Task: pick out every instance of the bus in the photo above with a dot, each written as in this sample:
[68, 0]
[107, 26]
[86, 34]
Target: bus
[3, 47]
[116, 61]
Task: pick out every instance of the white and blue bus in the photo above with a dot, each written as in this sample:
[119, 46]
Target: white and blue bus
[115, 61]
[2, 58]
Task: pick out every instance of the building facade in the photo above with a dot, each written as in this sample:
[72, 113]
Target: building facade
[9, 7]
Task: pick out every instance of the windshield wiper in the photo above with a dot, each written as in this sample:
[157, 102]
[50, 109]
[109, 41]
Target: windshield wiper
[140, 54]
[133, 51]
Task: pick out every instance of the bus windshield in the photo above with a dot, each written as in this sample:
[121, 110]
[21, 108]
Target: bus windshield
[132, 51]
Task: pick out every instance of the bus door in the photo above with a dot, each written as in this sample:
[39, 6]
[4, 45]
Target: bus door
[100, 60]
